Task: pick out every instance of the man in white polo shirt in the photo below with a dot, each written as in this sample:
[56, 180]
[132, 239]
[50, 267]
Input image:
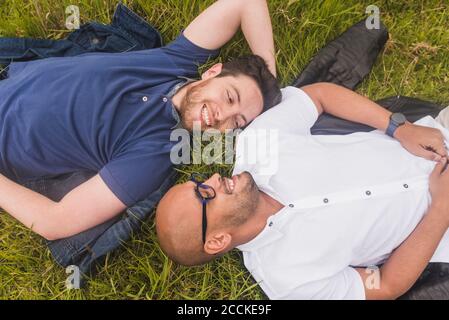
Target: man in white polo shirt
[315, 213]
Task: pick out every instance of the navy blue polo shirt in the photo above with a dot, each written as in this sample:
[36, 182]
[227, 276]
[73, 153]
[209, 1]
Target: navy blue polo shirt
[103, 112]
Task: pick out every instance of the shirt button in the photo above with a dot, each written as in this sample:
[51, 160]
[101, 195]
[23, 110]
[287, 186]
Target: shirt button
[325, 200]
[405, 185]
[270, 224]
[145, 99]
[165, 99]
[291, 205]
[368, 193]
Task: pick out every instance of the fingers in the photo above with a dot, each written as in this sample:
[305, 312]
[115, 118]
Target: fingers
[441, 151]
[429, 154]
[439, 168]
[438, 149]
[440, 146]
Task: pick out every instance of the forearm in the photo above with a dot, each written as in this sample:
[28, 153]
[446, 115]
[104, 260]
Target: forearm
[218, 24]
[408, 261]
[346, 104]
[28, 207]
[257, 28]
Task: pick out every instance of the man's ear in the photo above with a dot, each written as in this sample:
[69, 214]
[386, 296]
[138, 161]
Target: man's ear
[218, 243]
[212, 72]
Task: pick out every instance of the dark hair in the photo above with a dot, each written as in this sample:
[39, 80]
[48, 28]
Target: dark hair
[256, 68]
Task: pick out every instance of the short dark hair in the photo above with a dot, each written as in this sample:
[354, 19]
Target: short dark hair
[256, 68]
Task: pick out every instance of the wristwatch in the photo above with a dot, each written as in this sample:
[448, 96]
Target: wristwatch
[396, 120]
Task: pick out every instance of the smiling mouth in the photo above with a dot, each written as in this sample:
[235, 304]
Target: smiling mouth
[205, 116]
[230, 184]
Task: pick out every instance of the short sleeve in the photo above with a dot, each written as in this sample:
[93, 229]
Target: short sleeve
[296, 113]
[346, 285]
[135, 174]
[188, 56]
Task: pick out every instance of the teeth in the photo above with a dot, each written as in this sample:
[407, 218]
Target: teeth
[231, 184]
[205, 115]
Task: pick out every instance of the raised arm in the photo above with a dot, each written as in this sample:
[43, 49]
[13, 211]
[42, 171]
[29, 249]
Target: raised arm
[86, 206]
[408, 261]
[343, 103]
[214, 27]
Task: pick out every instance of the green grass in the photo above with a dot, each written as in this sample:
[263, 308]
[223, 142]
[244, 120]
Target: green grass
[415, 63]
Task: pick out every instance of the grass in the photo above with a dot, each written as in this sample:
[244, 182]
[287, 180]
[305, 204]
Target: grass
[415, 63]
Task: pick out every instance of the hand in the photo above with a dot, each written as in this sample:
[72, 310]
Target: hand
[421, 141]
[439, 189]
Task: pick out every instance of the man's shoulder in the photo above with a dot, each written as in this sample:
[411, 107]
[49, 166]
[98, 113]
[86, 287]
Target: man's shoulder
[295, 111]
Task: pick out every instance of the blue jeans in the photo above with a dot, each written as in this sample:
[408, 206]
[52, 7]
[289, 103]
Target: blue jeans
[127, 32]
[87, 249]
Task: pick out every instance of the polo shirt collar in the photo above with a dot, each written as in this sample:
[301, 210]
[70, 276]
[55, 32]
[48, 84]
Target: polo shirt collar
[267, 236]
[184, 81]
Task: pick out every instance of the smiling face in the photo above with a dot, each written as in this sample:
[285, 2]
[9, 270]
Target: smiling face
[179, 217]
[235, 201]
[222, 103]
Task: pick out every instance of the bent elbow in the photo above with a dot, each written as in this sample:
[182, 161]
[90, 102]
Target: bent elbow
[49, 232]
[49, 236]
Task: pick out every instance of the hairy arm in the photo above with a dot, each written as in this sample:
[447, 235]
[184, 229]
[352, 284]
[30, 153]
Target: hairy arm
[343, 103]
[407, 262]
[86, 206]
[410, 259]
[214, 27]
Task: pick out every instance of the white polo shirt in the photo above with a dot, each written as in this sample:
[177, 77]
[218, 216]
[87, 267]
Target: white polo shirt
[349, 202]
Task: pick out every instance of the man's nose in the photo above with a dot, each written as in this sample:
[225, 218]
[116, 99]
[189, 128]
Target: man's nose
[223, 113]
[214, 181]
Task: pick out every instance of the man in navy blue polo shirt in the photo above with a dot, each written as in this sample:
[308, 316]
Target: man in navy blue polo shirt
[113, 114]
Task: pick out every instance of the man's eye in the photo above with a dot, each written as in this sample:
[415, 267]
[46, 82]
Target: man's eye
[229, 97]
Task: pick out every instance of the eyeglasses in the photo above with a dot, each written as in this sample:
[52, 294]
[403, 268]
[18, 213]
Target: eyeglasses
[205, 193]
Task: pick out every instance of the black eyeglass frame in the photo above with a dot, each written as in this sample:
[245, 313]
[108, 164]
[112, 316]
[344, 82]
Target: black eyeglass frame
[197, 178]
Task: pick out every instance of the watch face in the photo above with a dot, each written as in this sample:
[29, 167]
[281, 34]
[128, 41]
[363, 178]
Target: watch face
[398, 118]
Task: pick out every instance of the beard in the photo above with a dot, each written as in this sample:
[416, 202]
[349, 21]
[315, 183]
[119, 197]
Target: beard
[191, 105]
[244, 204]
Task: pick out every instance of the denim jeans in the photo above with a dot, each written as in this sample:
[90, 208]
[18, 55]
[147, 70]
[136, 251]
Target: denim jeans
[87, 249]
[127, 32]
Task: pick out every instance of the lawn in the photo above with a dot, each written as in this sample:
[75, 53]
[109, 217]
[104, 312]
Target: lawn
[415, 63]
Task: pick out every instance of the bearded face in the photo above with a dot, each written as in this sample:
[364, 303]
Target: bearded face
[221, 103]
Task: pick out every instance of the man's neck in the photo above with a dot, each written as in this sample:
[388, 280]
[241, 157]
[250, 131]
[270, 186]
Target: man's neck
[267, 206]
